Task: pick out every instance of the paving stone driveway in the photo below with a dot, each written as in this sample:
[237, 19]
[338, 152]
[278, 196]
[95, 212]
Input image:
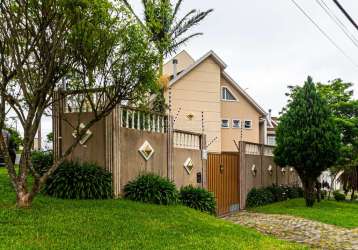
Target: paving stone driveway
[315, 234]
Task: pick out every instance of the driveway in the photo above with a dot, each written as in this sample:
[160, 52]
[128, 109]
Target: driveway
[315, 234]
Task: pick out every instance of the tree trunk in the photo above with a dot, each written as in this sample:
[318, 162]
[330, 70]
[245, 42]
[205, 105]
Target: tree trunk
[352, 195]
[23, 199]
[308, 186]
[318, 190]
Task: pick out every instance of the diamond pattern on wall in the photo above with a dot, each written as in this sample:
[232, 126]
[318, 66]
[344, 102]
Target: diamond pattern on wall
[188, 165]
[86, 136]
[146, 150]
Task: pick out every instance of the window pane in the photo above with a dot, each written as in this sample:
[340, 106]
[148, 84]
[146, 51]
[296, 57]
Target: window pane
[248, 124]
[236, 123]
[224, 123]
[226, 95]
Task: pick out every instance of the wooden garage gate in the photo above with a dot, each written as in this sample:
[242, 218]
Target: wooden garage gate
[223, 181]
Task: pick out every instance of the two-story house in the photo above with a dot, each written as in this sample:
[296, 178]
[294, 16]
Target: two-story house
[205, 99]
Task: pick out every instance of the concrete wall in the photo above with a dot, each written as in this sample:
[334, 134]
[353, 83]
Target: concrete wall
[181, 176]
[197, 92]
[131, 162]
[263, 177]
[94, 149]
[240, 109]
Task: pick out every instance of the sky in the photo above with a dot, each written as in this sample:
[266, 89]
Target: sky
[270, 44]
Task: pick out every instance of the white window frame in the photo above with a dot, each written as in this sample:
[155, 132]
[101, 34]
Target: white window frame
[245, 124]
[235, 119]
[228, 123]
[271, 137]
[231, 92]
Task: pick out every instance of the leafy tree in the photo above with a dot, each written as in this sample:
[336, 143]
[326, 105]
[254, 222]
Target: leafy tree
[95, 48]
[307, 137]
[339, 96]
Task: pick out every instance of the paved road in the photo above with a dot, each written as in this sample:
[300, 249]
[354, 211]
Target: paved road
[315, 234]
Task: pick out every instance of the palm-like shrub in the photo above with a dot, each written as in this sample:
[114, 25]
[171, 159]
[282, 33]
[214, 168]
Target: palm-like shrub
[151, 188]
[73, 180]
[198, 198]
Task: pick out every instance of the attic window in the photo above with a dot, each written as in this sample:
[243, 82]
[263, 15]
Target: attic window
[227, 95]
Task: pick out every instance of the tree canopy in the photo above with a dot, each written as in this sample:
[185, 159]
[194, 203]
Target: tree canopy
[94, 49]
[307, 137]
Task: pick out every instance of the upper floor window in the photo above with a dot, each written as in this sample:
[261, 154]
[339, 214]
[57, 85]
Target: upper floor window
[225, 123]
[271, 140]
[236, 123]
[227, 95]
[248, 124]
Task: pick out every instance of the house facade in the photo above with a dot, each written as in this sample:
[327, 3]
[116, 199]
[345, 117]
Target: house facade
[205, 99]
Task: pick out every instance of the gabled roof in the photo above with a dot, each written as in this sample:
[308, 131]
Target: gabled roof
[223, 66]
[244, 93]
[212, 54]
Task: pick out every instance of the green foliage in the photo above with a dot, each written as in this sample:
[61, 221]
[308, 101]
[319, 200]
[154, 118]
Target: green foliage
[339, 196]
[263, 196]
[198, 198]
[307, 137]
[151, 188]
[259, 197]
[41, 161]
[343, 214]
[73, 180]
[49, 137]
[120, 224]
[340, 97]
[16, 139]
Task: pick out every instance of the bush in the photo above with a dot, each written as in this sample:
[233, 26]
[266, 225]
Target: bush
[279, 193]
[324, 194]
[259, 197]
[41, 161]
[151, 188]
[339, 196]
[293, 193]
[73, 180]
[198, 198]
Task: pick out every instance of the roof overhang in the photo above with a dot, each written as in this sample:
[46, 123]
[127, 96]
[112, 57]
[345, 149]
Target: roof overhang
[211, 54]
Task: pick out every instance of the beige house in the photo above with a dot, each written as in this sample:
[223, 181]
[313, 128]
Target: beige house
[205, 99]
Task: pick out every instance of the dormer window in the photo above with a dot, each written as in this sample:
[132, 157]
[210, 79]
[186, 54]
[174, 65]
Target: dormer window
[226, 95]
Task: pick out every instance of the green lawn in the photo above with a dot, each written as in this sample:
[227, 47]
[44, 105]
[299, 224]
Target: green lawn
[59, 224]
[344, 214]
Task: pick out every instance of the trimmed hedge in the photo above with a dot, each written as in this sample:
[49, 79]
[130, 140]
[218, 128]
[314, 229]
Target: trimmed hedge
[264, 196]
[259, 197]
[198, 198]
[151, 188]
[339, 196]
[41, 161]
[74, 180]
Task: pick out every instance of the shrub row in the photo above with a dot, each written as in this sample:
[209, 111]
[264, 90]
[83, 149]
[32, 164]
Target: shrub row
[263, 196]
[74, 180]
[150, 188]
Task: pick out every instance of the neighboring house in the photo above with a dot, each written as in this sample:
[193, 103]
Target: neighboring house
[272, 123]
[207, 100]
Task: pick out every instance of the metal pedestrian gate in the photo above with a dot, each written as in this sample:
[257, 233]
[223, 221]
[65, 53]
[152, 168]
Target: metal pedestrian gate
[223, 181]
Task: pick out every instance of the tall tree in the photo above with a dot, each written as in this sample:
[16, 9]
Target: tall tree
[168, 31]
[339, 96]
[307, 138]
[94, 47]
